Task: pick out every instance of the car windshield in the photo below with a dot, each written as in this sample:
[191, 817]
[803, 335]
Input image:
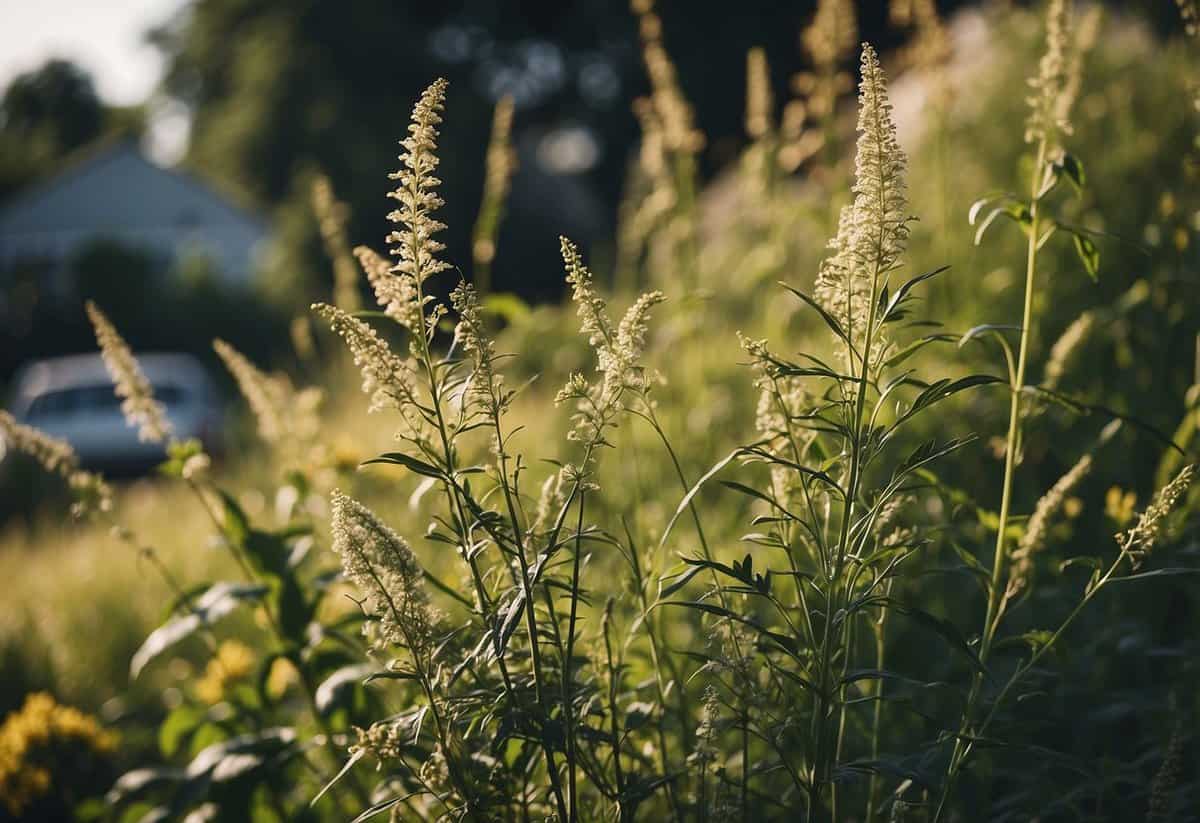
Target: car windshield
[93, 400]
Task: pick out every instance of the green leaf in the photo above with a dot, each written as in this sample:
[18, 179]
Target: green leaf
[135, 783]
[214, 604]
[177, 727]
[940, 625]
[1085, 560]
[785, 643]
[237, 524]
[334, 687]
[295, 612]
[833, 324]
[411, 463]
[354, 758]
[1017, 212]
[1167, 572]
[391, 674]
[639, 714]
[225, 756]
[267, 553]
[1089, 255]
[1072, 167]
[892, 309]
[889, 767]
[678, 583]
[694, 490]
[1037, 638]
[977, 331]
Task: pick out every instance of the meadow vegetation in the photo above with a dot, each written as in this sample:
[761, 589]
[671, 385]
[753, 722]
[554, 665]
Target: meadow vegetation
[859, 489]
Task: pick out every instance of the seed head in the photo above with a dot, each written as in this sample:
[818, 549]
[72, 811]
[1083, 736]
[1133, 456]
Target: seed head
[1064, 351]
[486, 386]
[499, 165]
[380, 563]
[760, 103]
[387, 377]
[618, 352]
[842, 288]
[1038, 527]
[137, 397]
[417, 191]
[282, 413]
[1049, 104]
[57, 457]
[332, 215]
[873, 231]
[1166, 779]
[880, 217]
[1141, 539]
[396, 292]
[832, 34]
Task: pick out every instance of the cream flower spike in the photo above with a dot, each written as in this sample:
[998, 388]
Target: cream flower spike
[417, 191]
[832, 32]
[1048, 104]
[760, 99]
[1037, 530]
[593, 311]
[873, 231]
[57, 457]
[379, 561]
[137, 397]
[1141, 539]
[269, 396]
[396, 293]
[387, 377]
[880, 222]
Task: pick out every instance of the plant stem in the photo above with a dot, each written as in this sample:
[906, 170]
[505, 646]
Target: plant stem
[530, 621]
[1012, 443]
[877, 714]
[568, 707]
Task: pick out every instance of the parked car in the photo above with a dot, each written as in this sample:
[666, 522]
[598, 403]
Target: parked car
[72, 398]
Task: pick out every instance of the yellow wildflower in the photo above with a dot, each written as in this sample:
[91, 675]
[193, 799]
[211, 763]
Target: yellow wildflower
[28, 739]
[234, 661]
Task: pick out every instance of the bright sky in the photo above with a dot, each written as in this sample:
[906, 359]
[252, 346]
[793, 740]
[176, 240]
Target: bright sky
[105, 37]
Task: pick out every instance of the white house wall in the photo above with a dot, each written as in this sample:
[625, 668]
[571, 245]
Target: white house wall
[119, 195]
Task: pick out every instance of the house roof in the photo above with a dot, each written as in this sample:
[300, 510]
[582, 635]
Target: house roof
[56, 202]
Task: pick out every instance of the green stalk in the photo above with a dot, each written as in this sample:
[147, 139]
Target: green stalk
[613, 687]
[877, 628]
[568, 709]
[530, 620]
[1014, 417]
[1011, 443]
[821, 767]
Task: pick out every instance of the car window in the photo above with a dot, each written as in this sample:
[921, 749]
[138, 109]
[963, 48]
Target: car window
[53, 404]
[96, 399]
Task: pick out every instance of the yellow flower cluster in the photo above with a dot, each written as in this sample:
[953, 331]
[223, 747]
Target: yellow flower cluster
[234, 661]
[28, 737]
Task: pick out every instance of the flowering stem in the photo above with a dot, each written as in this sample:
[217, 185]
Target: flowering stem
[530, 617]
[1010, 451]
[568, 708]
